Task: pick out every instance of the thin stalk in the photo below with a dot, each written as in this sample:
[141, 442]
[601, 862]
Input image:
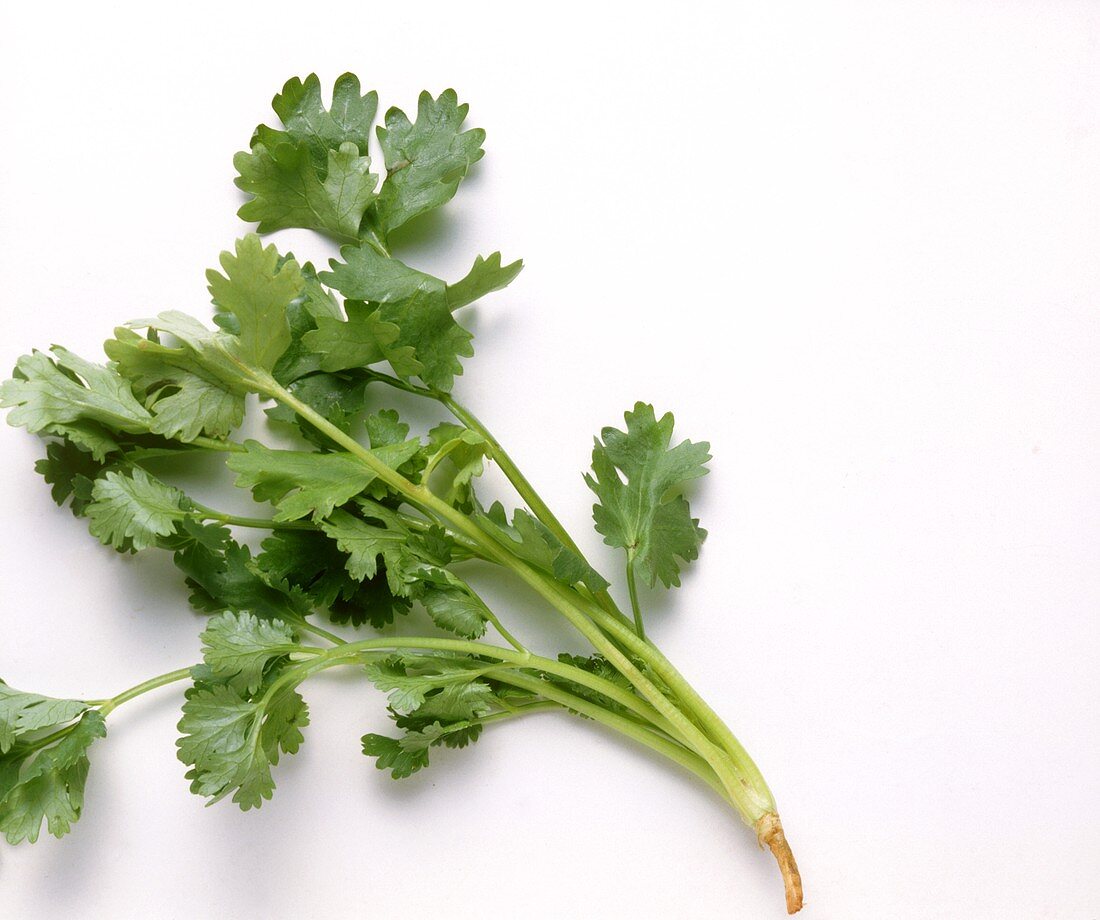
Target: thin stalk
[523, 486]
[604, 687]
[107, 706]
[539, 706]
[691, 698]
[639, 628]
[659, 743]
[210, 514]
[321, 632]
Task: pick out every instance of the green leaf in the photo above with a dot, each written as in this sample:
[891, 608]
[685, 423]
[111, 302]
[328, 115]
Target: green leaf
[486, 276]
[47, 395]
[27, 712]
[366, 542]
[305, 118]
[228, 579]
[303, 482]
[425, 160]
[456, 456]
[47, 786]
[435, 734]
[132, 511]
[185, 399]
[363, 340]
[68, 469]
[436, 342]
[257, 289]
[533, 542]
[307, 560]
[367, 275]
[232, 743]
[315, 173]
[290, 189]
[645, 514]
[239, 647]
[391, 756]
[408, 679]
[452, 605]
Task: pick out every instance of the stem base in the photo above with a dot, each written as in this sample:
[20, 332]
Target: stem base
[769, 831]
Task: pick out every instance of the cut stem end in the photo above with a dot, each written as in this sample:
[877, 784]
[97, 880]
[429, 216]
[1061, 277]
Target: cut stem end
[769, 831]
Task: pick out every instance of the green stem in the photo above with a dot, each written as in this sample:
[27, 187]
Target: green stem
[420, 496]
[688, 695]
[210, 514]
[523, 486]
[640, 733]
[321, 632]
[106, 706]
[539, 706]
[639, 628]
[604, 687]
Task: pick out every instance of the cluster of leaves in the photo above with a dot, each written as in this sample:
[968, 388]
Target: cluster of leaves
[43, 762]
[345, 541]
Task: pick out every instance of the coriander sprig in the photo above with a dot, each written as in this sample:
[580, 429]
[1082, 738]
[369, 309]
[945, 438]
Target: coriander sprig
[366, 518]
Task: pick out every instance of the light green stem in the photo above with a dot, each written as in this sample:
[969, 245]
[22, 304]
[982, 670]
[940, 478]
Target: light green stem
[107, 706]
[639, 627]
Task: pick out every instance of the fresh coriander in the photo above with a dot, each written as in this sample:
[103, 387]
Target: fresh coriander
[367, 518]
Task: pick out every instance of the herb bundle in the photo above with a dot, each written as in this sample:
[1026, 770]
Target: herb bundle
[368, 519]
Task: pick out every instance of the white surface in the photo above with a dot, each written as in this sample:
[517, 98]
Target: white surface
[853, 244]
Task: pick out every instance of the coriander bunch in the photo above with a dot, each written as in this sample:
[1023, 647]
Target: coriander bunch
[366, 519]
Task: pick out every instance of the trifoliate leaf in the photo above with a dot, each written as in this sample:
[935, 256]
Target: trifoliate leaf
[130, 511]
[27, 712]
[425, 160]
[314, 173]
[239, 647]
[231, 743]
[645, 515]
[47, 786]
[45, 394]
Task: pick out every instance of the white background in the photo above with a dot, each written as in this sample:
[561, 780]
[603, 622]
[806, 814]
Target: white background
[854, 245]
